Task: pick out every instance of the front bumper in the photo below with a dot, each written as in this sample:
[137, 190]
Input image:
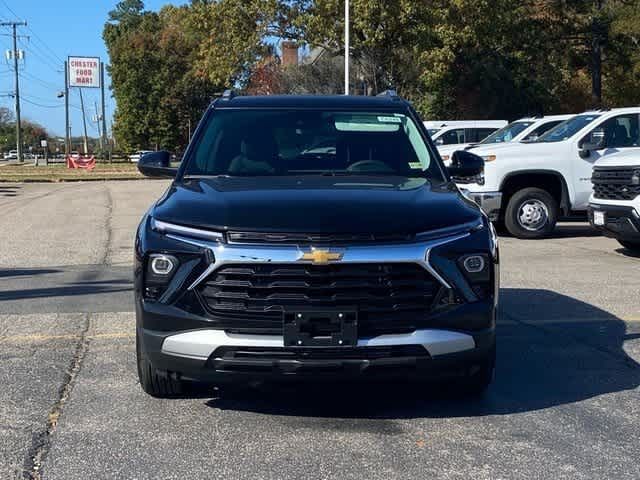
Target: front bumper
[621, 221]
[218, 357]
[490, 202]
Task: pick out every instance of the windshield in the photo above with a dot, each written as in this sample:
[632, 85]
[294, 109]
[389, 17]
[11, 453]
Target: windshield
[506, 134]
[309, 142]
[567, 129]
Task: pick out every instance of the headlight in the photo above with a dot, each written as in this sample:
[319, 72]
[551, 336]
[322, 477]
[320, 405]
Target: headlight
[162, 265]
[474, 263]
[476, 269]
[181, 230]
[489, 158]
[158, 273]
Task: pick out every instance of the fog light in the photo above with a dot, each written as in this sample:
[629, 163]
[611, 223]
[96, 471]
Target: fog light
[161, 264]
[474, 264]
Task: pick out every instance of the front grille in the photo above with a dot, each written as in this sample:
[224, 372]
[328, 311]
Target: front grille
[315, 238]
[389, 298]
[616, 183]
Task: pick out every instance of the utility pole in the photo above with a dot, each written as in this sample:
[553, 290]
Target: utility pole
[15, 55]
[346, 46]
[104, 115]
[84, 122]
[98, 123]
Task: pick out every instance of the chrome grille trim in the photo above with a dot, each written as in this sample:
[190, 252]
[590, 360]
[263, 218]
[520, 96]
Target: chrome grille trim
[392, 253]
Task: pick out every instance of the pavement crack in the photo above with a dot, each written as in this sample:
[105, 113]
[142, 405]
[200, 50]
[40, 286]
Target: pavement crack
[108, 227]
[41, 441]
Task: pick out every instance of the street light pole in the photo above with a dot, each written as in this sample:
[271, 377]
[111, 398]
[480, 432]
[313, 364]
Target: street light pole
[346, 46]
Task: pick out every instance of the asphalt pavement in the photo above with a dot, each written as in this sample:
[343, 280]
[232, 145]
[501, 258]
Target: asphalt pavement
[565, 403]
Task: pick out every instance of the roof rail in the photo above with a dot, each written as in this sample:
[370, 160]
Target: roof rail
[228, 94]
[388, 93]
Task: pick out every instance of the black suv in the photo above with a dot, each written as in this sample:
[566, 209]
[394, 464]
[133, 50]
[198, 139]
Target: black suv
[318, 237]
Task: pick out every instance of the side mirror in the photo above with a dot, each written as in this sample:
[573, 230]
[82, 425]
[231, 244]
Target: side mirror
[465, 164]
[595, 141]
[157, 165]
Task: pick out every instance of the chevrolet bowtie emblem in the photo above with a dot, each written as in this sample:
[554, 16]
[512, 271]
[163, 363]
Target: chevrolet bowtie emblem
[321, 257]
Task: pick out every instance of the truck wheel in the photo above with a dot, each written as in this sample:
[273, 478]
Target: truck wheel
[629, 245]
[531, 213]
[153, 382]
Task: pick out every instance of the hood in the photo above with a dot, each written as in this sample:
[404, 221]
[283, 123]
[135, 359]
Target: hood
[449, 149]
[624, 158]
[354, 204]
[516, 149]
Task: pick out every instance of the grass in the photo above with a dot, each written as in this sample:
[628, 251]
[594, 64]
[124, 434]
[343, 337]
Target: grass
[27, 172]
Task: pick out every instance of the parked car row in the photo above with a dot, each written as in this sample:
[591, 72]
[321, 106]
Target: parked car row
[528, 183]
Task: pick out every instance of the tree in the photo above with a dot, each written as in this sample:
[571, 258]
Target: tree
[167, 66]
[383, 37]
[324, 76]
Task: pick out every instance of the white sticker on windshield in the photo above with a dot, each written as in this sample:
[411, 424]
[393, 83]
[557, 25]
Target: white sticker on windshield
[390, 119]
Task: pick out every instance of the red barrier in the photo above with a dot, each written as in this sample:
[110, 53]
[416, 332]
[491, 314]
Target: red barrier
[85, 163]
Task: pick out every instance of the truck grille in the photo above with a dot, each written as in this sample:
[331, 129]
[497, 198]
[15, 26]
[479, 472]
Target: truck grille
[616, 183]
[390, 298]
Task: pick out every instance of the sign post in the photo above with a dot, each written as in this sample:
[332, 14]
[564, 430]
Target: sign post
[45, 152]
[67, 132]
[85, 72]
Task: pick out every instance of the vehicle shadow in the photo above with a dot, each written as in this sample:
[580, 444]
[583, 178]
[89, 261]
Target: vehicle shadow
[628, 253]
[25, 272]
[83, 288]
[552, 350]
[566, 229]
[574, 230]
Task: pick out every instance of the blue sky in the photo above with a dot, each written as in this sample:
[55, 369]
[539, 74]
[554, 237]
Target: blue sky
[57, 29]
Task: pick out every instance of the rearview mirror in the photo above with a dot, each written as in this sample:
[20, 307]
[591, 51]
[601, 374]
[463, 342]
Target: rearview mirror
[465, 164]
[157, 165]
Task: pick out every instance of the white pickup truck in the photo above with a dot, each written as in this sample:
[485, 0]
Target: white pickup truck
[614, 206]
[529, 185]
[523, 130]
[461, 133]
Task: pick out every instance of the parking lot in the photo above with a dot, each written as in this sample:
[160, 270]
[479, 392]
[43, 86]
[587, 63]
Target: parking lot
[565, 403]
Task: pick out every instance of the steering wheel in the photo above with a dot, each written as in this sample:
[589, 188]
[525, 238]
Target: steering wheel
[369, 166]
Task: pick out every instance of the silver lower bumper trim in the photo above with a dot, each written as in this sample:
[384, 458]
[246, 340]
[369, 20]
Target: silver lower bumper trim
[200, 344]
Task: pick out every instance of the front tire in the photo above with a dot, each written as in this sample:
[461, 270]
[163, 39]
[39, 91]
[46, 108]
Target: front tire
[155, 383]
[531, 213]
[630, 245]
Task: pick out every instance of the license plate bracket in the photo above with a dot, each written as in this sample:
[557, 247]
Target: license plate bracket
[321, 328]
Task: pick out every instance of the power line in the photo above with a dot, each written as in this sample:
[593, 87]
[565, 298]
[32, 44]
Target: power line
[40, 105]
[29, 76]
[38, 54]
[34, 33]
